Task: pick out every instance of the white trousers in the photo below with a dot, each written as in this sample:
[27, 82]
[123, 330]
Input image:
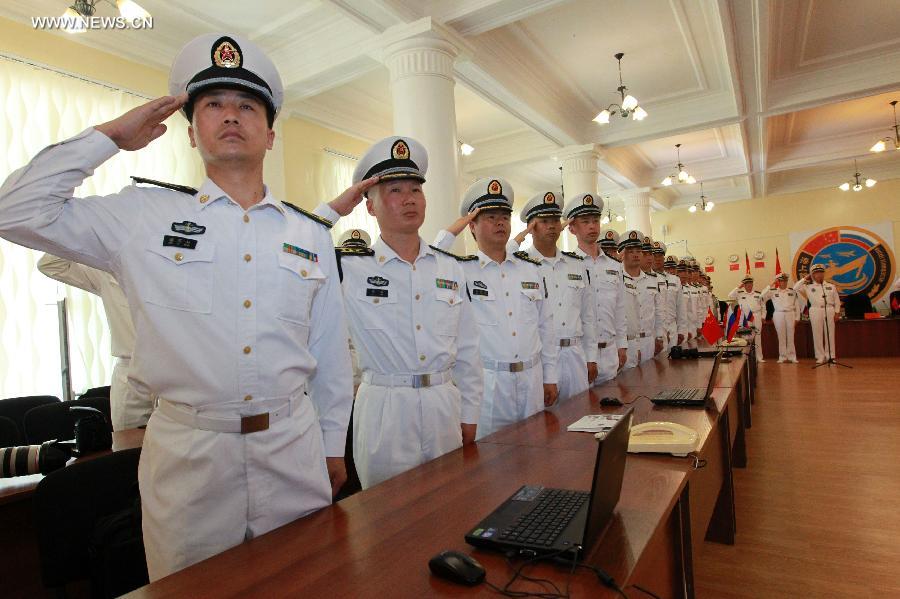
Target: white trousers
[510, 397]
[784, 326]
[671, 337]
[607, 363]
[127, 407]
[648, 346]
[634, 349]
[817, 318]
[203, 492]
[396, 429]
[573, 376]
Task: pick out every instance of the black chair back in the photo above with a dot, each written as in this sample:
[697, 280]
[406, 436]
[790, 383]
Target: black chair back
[54, 421]
[83, 515]
[95, 392]
[15, 409]
[9, 433]
[895, 303]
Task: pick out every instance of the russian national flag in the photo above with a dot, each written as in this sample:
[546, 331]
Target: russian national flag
[748, 320]
[734, 320]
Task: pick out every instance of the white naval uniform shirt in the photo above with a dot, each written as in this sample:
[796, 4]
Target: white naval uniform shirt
[749, 301]
[252, 311]
[570, 296]
[632, 307]
[677, 307]
[784, 300]
[649, 305]
[609, 296]
[689, 303]
[103, 284]
[814, 293]
[414, 318]
[705, 305]
[515, 324]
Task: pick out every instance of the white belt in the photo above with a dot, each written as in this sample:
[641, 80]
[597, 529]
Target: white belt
[785, 310]
[416, 381]
[510, 366]
[242, 424]
[568, 342]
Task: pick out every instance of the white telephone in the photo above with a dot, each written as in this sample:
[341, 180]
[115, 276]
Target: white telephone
[663, 437]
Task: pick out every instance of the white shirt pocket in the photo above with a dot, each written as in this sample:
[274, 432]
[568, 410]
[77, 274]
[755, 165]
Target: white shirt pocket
[447, 310]
[179, 278]
[377, 303]
[298, 281]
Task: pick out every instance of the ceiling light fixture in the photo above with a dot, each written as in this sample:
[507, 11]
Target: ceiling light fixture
[610, 216]
[629, 105]
[882, 144]
[682, 175]
[82, 9]
[702, 205]
[856, 184]
[465, 149]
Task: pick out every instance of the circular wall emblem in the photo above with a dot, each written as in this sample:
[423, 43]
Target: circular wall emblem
[759, 254]
[733, 258]
[856, 260]
[709, 259]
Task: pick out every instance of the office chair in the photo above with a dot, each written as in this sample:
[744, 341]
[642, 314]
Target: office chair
[95, 392]
[857, 305]
[15, 409]
[895, 303]
[88, 522]
[54, 421]
[9, 433]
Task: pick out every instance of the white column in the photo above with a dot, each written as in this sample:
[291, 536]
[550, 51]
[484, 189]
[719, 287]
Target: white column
[421, 70]
[580, 169]
[637, 209]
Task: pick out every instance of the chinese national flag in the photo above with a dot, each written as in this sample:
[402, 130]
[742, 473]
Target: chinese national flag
[712, 330]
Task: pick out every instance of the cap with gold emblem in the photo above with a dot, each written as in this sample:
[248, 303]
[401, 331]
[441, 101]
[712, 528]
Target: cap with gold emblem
[216, 60]
[647, 244]
[631, 239]
[817, 268]
[671, 262]
[659, 248]
[487, 193]
[355, 238]
[583, 204]
[609, 239]
[782, 276]
[546, 203]
[393, 158]
[682, 265]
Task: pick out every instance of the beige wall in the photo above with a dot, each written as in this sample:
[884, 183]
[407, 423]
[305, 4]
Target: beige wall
[764, 224]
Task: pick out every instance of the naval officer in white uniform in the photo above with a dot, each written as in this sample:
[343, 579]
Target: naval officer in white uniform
[824, 304]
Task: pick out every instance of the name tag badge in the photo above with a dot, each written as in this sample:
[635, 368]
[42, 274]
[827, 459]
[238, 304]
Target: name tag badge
[299, 251]
[530, 285]
[446, 284]
[179, 242]
[376, 292]
[574, 277]
[480, 292]
[612, 272]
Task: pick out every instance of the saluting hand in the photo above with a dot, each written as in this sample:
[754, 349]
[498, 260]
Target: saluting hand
[462, 222]
[139, 126]
[352, 196]
[520, 237]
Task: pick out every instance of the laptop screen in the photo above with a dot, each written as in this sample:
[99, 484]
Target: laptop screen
[609, 470]
[712, 376]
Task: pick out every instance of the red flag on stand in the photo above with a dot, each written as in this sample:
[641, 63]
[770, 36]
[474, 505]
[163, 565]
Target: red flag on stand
[777, 263]
[712, 330]
[747, 259]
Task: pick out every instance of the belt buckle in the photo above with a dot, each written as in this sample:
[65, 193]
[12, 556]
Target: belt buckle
[517, 367]
[421, 380]
[255, 423]
[565, 342]
[601, 345]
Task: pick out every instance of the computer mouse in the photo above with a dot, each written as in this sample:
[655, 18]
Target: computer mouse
[610, 401]
[457, 567]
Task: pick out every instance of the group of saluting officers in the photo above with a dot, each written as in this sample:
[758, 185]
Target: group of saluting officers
[242, 309]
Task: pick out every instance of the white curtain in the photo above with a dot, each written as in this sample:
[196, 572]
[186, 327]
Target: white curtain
[41, 107]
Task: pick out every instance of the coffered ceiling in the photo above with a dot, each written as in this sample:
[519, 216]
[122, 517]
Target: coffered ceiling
[766, 96]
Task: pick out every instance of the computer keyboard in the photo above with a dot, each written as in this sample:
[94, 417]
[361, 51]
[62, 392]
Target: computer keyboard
[679, 394]
[553, 511]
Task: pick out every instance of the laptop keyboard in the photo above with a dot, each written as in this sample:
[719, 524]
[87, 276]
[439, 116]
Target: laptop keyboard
[679, 394]
[553, 511]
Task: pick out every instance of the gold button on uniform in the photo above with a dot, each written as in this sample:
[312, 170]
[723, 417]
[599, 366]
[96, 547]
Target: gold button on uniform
[246, 349]
[246, 218]
[422, 357]
[417, 296]
[204, 198]
[247, 257]
[514, 333]
[381, 258]
[247, 303]
[418, 327]
[375, 301]
[303, 273]
[179, 256]
[248, 397]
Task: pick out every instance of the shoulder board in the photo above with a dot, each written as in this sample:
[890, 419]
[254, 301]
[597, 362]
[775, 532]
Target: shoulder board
[172, 186]
[650, 274]
[322, 221]
[524, 256]
[572, 255]
[452, 255]
[342, 251]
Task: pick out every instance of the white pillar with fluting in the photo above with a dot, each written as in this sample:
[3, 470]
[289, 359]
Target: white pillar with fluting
[421, 71]
[637, 209]
[580, 169]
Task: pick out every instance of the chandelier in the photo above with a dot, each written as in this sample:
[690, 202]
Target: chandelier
[881, 144]
[682, 175]
[629, 105]
[702, 204]
[609, 216]
[855, 184]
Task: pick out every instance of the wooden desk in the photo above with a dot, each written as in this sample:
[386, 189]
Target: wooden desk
[853, 339]
[21, 576]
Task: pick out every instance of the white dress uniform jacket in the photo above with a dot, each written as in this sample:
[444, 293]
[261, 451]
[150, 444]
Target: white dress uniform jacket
[751, 302]
[787, 311]
[519, 348]
[677, 315]
[610, 303]
[409, 320]
[574, 316]
[649, 303]
[128, 409]
[688, 298]
[824, 303]
[236, 313]
[632, 319]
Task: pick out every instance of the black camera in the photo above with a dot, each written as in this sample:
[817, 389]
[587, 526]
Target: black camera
[92, 431]
[680, 353]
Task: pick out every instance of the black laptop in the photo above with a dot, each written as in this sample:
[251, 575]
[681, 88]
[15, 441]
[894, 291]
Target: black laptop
[695, 397]
[544, 520]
